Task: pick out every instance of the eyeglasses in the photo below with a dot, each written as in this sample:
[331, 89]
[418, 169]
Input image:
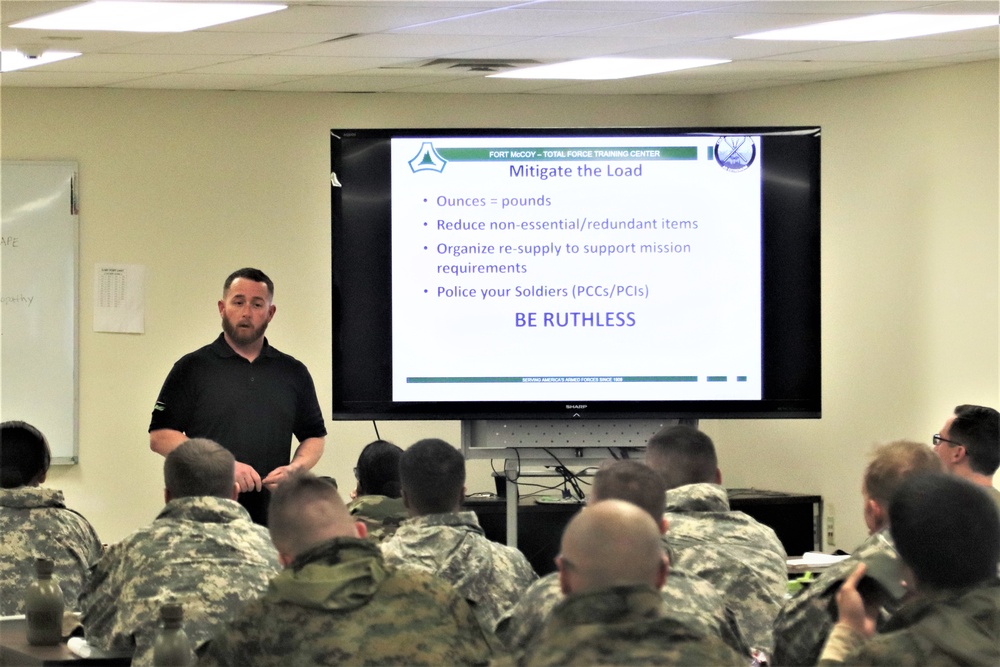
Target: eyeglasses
[937, 440]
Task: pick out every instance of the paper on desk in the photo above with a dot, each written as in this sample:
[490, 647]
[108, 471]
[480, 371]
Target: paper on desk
[817, 558]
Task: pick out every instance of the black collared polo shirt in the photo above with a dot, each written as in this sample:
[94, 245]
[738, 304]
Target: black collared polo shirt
[251, 409]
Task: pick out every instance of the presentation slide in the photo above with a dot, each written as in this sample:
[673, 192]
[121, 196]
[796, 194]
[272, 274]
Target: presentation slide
[576, 269]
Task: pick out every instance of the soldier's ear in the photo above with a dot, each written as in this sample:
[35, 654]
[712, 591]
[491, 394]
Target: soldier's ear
[285, 559]
[564, 584]
[661, 575]
[361, 529]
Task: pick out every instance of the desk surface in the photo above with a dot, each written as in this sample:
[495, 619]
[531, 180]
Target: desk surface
[16, 651]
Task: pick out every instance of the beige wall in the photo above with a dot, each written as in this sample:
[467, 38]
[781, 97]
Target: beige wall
[192, 184]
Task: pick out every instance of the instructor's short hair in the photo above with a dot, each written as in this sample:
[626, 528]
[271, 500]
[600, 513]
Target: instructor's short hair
[682, 455]
[432, 474]
[977, 428]
[199, 467]
[24, 454]
[249, 273]
[946, 529]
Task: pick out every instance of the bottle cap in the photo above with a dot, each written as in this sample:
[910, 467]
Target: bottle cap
[172, 611]
[44, 567]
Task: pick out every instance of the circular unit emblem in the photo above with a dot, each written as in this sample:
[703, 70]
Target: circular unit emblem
[735, 153]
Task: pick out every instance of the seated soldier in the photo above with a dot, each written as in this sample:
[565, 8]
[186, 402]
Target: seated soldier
[805, 621]
[337, 602]
[947, 532]
[741, 557]
[35, 523]
[688, 599]
[377, 500]
[442, 540]
[969, 446]
[202, 551]
[611, 567]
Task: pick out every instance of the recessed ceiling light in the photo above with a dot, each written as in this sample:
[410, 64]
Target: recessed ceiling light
[597, 69]
[880, 27]
[15, 60]
[146, 16]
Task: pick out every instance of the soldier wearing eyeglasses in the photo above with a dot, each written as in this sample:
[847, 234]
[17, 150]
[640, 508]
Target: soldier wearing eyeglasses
[969, 446]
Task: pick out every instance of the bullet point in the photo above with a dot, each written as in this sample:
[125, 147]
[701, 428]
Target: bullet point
[425, 224]
[425, 247]
[425, 291]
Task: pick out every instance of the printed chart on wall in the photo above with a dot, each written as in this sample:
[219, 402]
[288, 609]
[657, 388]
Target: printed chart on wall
[38, 292]
[525, 266]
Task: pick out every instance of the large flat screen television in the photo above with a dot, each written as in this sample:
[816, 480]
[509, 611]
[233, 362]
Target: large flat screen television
[576, 273]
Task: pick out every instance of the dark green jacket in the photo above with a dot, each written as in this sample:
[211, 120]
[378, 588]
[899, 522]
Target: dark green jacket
[339, 604]
[942, 629]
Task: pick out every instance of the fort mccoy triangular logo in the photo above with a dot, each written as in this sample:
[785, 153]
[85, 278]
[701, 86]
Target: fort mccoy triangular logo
[427, 159]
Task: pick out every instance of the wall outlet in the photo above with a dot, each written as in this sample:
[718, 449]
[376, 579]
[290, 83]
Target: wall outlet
[829, 531]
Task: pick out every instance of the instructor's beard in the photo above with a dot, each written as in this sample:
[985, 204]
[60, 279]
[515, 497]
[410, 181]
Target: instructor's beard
[240, 335]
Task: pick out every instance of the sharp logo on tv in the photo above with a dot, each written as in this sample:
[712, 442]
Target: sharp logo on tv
[577, 407]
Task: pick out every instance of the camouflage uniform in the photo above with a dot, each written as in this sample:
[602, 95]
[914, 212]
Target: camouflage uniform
[203, 551]
[946, 628]
[489, 575]
[687, 599]
[807, 619]
[624, 625]
[35, 523]
[742, 558]
[380, 514]
[338, 603]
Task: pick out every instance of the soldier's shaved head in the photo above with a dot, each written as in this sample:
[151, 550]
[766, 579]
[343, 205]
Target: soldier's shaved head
[611, 543]
[306, 510]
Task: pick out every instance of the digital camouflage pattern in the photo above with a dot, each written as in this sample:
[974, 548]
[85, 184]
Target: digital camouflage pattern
[624, 625]
[35, 523]
[944, 629]
[803, 625]
[203, 552]
[741, 557]
[689, 600]
[338, 603]
[380, 514]
[489, 575]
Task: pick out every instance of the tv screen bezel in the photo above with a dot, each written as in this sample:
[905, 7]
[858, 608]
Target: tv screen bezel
[790, 280]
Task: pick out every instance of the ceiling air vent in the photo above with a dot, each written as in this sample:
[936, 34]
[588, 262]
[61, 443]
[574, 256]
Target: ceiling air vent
[488, 65]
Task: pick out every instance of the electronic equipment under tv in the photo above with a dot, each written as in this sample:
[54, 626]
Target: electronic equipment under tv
[576, 273]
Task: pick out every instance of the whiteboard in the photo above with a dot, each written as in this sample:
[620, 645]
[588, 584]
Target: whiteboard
[39, 257]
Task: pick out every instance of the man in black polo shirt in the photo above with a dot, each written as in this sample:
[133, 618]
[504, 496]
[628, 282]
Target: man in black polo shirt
[245, 395]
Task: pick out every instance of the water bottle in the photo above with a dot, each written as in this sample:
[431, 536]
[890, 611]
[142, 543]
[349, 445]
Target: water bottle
[172, 647]
[43, 606]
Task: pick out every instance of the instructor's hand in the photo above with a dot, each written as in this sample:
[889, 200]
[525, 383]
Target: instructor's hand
[277, 476]
[247, 478]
